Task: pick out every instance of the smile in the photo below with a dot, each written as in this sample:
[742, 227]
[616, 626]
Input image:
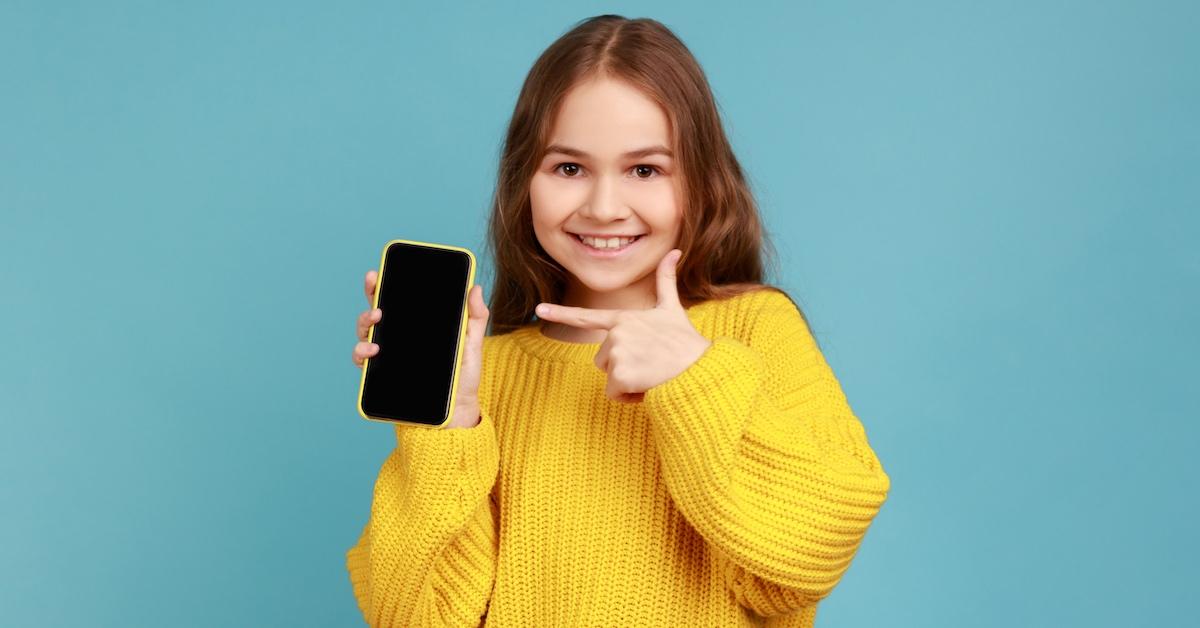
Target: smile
[606, 252]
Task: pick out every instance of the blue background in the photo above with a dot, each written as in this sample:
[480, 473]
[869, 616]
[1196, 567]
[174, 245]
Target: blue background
[989, 212]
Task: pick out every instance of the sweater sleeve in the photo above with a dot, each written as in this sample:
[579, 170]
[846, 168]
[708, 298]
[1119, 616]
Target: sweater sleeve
[427, 554]
[763, 456]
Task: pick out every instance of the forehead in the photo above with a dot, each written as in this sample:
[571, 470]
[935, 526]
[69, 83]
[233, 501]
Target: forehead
[606, 117]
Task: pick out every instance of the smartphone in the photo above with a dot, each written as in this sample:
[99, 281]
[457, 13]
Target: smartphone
[422, 289]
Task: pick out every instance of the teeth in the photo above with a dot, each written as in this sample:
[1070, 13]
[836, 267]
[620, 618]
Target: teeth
[606, 243]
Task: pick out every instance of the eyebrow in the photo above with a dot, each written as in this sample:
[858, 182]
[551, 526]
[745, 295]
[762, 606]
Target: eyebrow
[641, 152]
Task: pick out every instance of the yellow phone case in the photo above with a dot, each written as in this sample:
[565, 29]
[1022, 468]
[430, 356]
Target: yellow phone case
[462, 335]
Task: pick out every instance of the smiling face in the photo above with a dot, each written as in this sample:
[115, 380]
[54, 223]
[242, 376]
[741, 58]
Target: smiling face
[608, 170]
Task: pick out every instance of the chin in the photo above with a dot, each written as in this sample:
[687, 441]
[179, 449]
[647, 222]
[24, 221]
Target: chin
[603, 282]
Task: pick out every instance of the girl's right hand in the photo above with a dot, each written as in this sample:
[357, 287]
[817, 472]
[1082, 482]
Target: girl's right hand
[466, 405]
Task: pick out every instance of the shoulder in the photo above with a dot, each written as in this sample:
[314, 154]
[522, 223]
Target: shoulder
[771, 301]
[759, 303]
[767, 317]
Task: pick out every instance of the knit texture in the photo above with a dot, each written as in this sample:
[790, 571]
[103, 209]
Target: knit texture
[734, 494]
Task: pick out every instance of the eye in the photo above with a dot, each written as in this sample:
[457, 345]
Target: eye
[571, 170]
[653, 169]
[568, 165]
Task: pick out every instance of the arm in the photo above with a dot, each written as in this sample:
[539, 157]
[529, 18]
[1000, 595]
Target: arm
[427, 555]
[763, 456]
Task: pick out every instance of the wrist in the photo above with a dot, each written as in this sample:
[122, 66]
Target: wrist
[465, 416]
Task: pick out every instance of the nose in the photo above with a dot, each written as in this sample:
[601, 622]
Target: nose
[604, 202]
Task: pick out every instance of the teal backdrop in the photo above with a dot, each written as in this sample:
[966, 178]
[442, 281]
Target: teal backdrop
[989, 211]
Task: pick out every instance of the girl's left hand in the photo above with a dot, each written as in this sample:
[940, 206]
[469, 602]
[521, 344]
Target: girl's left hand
[643, 348]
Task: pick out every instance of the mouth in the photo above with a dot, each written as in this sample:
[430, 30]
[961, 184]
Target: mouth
[605, 253]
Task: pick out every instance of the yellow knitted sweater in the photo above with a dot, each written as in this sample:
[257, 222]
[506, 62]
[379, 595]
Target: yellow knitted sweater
[735, 494]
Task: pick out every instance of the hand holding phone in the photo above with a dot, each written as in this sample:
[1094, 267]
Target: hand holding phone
[428, 353]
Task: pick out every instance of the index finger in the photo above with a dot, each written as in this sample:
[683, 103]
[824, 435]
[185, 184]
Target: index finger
[582, 317]
[369, 285]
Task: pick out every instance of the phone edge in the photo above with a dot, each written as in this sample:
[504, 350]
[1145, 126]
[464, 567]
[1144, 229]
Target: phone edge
[464, 319]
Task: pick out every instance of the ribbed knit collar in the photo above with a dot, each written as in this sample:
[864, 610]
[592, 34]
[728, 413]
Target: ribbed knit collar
[531, 340]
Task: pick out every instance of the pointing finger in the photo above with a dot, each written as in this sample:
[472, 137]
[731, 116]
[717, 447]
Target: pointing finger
[581, 317]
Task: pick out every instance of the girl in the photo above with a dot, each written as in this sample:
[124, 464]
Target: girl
[666, 444]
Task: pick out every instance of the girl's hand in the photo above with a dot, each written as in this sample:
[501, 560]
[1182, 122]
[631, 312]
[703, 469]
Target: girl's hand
[364, 349]
[643, 348]
[466, 405]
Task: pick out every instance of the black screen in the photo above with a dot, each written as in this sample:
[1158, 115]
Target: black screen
[422, 291]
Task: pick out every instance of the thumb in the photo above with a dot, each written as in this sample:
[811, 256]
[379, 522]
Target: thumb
[477, 311]
[477, 318]
[668, 292]
[471, 363]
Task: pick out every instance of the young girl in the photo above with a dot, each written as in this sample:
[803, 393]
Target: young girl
[665, 444]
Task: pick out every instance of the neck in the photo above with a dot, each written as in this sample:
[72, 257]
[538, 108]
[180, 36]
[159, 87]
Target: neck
[640, 295]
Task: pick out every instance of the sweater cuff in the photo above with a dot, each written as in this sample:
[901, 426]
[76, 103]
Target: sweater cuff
[699, 416]
[455, 466]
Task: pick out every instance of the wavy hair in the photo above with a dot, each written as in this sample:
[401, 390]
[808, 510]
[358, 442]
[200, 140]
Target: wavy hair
[721, 236]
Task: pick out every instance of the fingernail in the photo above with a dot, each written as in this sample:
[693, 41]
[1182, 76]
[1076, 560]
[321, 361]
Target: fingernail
[543, 309]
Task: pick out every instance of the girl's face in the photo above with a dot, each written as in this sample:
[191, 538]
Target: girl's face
[608, 171]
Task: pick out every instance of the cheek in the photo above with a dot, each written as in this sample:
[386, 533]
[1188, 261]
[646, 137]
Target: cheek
[541, 201]
[660, 207]
[550, 196]
[547, 211]
[537, 192]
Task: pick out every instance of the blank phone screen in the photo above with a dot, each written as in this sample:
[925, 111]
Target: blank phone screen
[422, 291]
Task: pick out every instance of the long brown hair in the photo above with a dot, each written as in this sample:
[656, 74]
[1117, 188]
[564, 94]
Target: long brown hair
[721, 236]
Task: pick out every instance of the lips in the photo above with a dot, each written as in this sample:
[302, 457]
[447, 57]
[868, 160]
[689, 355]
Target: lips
[606, 253]
[602, 236]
